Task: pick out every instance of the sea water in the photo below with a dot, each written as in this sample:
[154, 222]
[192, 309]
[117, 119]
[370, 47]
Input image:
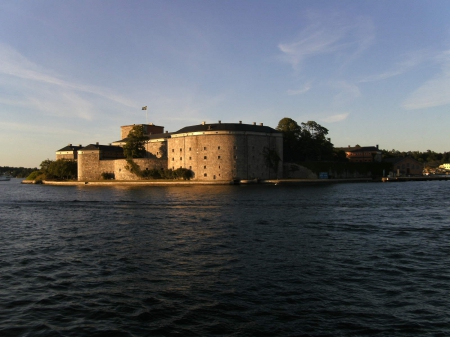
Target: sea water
[362, 259]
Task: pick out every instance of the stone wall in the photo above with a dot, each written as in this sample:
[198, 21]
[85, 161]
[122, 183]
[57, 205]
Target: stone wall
[148, 129]
[121, 173]
[156, 149]
[90, 167]
[66, 155]
[225, 155]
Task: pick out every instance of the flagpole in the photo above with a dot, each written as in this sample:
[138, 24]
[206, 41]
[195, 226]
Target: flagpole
[146, 113]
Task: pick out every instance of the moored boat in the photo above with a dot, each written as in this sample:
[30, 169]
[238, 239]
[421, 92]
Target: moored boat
[5, 177]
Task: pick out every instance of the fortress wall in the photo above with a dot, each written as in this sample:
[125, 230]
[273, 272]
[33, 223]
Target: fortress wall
[121, 173]
[90, 167]
[148, 129]
[157, 149]
[69, 155]
[224, 156]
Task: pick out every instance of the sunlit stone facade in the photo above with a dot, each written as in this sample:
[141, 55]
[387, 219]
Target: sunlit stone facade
[213, 152]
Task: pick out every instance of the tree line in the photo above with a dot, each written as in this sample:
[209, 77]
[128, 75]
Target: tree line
[16, 172]
[428, 158]
[309, 142]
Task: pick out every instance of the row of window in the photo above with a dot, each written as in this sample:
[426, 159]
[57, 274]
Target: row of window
[205, 157]
[205, 148]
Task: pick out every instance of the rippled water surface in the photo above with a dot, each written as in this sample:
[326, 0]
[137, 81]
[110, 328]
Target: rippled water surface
[366, 259]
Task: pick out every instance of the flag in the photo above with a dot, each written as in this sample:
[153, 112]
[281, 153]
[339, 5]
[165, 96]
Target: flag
[144, 108]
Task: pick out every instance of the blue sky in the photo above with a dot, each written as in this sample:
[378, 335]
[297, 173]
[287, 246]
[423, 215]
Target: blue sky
[372, 72]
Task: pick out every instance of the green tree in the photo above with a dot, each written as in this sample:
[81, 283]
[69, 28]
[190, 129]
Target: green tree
[314, 145]
[135, 144]
[305, 142]
[291, 134]
[59, 169]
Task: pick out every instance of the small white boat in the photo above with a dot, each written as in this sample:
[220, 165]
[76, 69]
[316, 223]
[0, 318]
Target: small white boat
[5, 177]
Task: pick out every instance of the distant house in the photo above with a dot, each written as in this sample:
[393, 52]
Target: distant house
[405, 166]
[362, 154]
[445, 166]
[68, 152]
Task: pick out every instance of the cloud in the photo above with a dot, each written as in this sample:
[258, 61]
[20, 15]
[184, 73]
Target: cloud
[347, 93]
[14, 64]
[306, 88]
[434, 92]
[327, 35]
[336, 118]
[412, 60]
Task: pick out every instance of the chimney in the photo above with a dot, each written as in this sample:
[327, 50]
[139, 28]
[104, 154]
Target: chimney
[80, 145]
[167, 131]
[96, 143]
[377, 146]
[240, 122]
[70, 144]
[203, 123]
[261, 124]
[220, 122]
[254, 123]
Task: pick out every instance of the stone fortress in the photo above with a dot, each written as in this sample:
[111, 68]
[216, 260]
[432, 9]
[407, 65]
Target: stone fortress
[213, 152]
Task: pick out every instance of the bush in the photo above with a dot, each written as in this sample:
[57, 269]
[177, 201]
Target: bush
[33, 175]
[108, 176]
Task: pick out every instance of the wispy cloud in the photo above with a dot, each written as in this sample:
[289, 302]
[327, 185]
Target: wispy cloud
[14, 64]
[411, 60]
[347, 93]
[300, 91]
[434, 92]
[329, 34]
[336, 118]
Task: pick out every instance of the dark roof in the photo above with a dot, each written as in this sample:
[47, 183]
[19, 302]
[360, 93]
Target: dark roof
[358, 148]
[109, 148]
[227, 127]
[150, 136]
[70, 148]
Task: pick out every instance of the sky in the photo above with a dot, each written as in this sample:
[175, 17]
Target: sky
[372, 72]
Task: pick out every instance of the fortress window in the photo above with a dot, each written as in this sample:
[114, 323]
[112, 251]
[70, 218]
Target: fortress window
[190, 167]
[173, 159]
[181, 150]
[157, 153]
[218, 148]
[204, 167]
[205, 175]
[214, 176]
[189, 149]
[204, 148]
[218, 157]
[219, 166]
[181, 158]
[190, 158]
[204, 157]
[173, 150]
